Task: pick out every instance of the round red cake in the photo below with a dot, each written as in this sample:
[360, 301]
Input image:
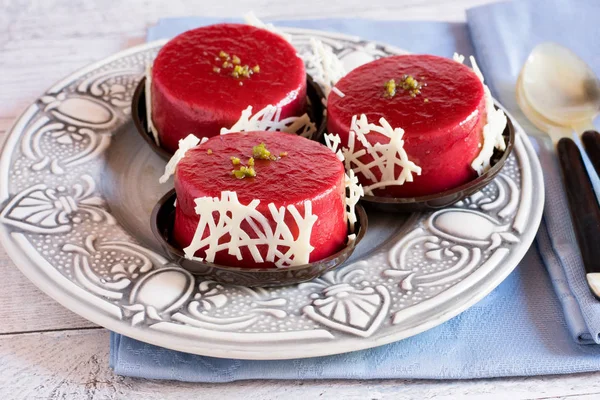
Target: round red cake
[438, 102]
[204, 78]
[303, 170]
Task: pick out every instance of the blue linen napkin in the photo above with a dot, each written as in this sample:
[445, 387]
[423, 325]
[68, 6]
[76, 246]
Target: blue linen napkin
[519, 329]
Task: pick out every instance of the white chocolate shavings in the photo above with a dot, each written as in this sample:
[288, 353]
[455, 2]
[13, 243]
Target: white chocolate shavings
[251, 19]
[269, 119]
[324, 66]
[385, 156]
[354, 190]
[494, 127]
[338, 92]
[148, 93]
[333, 141]
[459, 58]
[351, 239]
[189, 142]
[354, 193]
[282, 248]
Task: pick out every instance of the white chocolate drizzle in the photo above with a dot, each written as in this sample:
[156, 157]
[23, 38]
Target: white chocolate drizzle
[333, 141]
[282, 248]
[385, 156]
[338, 92]
[269, 119]
[354, 191]
[494, 127]
[324, 66]
[189, 142]
[148, 93]
[251, 19]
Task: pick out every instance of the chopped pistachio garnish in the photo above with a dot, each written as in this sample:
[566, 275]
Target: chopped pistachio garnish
[244, 172]
[390, 88]
[261, 152]
[239, 71]
[283, 154]
[209, 151]
[408, 83]
[251, 161]
[235, 161]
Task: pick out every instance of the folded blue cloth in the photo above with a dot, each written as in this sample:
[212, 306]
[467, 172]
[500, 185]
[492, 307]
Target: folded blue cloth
[503, 35]
[519, 329]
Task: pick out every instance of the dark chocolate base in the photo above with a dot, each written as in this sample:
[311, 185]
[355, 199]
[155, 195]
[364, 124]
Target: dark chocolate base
[163, 217]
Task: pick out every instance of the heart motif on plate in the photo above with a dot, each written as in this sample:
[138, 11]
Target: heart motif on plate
[343, 306]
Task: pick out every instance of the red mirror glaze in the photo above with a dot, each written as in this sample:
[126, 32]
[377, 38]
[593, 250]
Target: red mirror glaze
[309, 171]
[443, 124]
[189, 96]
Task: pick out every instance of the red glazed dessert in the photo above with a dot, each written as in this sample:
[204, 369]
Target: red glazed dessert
[303, 171]
[439, 103]
[203, 79]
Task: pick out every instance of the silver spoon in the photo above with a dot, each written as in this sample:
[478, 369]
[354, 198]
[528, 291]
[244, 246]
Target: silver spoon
[558, 91]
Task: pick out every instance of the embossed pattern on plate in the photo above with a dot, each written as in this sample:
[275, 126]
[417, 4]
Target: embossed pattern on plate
[77, 186]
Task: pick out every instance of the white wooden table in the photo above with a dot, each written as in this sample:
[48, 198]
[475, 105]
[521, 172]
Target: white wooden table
[48, 352]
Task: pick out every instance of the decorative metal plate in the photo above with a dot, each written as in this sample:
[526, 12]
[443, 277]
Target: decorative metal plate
[77, 186]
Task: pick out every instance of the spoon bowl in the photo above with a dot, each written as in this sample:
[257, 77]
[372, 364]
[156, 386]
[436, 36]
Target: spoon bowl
[557, 89]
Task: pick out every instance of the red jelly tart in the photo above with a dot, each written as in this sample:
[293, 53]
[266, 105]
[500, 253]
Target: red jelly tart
[439, 103]
[296, 171]
[204, 78]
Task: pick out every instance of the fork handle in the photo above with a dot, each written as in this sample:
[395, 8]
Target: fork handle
[591, 142]
[585, 212]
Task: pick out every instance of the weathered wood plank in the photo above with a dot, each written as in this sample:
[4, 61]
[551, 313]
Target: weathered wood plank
[24, 308]
[40, 43]
[5, 124]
